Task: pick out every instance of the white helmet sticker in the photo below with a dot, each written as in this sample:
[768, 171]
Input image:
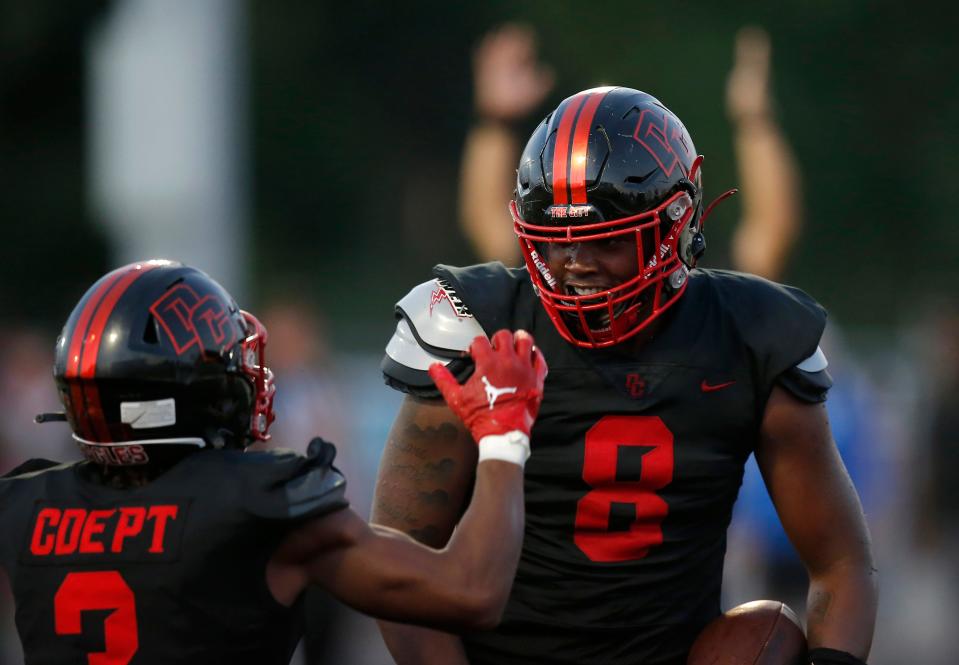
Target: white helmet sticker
[144, 415]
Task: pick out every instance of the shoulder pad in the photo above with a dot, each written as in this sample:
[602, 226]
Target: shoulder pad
[438, 318]
[282, 485]
[434, 325]
[809, 380]
[782, 326]
[814, 363]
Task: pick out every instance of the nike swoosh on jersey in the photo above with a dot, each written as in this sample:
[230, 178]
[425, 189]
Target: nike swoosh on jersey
[707, 388]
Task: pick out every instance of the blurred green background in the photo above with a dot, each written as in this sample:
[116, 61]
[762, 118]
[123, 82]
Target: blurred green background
[358, 112]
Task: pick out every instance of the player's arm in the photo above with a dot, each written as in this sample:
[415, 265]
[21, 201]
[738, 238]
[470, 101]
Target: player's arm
[384, 572]
[768, 175]
[426, 472]
[820, 510]
[427, 468]
[425, 475]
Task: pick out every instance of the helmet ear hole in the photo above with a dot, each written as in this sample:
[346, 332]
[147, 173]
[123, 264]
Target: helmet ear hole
[150, 335]
[523, 178]
[697, 247]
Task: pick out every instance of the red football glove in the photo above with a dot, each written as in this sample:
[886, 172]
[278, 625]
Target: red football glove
[504, 393]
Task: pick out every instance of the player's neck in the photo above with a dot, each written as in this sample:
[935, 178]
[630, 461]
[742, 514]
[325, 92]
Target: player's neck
[131, 477]
[645, 336]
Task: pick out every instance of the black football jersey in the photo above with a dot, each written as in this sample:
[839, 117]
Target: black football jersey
[170, 572]
[637, 458]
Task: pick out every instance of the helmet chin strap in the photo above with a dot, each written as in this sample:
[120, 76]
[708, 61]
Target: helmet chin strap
[719, 199]
[693, 172]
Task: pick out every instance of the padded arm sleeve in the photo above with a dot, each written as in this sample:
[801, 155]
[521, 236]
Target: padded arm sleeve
[809, 380]
[293, 487]
[782, 326]
[31, 466]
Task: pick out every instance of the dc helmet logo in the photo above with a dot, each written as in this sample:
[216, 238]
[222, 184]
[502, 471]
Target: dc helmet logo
[190, 320]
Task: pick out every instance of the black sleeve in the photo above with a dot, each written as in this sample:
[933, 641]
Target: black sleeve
[30, 466]
[281, 485]
[807, 386]
[782, 327]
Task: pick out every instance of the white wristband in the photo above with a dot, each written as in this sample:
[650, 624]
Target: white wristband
[510, 447]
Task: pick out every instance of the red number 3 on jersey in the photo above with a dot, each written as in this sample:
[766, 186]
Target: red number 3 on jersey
[105, 590]
[603, 440]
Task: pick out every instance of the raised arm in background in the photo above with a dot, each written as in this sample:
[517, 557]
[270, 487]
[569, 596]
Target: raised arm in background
[769, 179]
[509, 84]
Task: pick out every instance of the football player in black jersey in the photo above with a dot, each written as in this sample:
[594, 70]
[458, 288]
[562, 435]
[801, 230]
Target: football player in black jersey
[664, 378]
[172, 543]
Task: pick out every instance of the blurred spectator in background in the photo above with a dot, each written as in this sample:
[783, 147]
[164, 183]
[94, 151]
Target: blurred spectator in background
[26, 389]
[761, 560]
[768, 176]
[926, 594]
[307, 403]
[937, 523]
[310, 402]
[509, 84]
[10, 651]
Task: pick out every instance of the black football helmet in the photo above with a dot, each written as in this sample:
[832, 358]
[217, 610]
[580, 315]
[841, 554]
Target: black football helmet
[611, 162]
[157, 353]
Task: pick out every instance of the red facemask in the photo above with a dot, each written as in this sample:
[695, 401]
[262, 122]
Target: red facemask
[626, 309]
[254, 366]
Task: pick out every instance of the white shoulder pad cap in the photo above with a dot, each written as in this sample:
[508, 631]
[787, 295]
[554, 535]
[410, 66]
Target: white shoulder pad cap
[815, 363]
[434, 326]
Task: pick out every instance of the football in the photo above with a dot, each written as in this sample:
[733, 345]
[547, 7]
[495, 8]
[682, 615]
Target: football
[761, 632]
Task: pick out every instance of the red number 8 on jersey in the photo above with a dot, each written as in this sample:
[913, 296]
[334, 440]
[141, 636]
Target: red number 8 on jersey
[603, 440]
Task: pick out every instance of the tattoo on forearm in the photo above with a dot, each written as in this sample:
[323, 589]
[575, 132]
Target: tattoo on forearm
[435, 498]
[419, 441]
[400, 503]
[436, 472]
[819, 605]
[441, 470]
[397, 514]
[415, 485]
[390, 511]
[445, 433]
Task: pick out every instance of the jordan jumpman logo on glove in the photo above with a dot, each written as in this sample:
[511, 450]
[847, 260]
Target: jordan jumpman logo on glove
[492, 392]
[511, 360]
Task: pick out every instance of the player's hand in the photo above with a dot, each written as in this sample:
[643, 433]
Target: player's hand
[509, 83]
[504, 393]
[747, 88]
